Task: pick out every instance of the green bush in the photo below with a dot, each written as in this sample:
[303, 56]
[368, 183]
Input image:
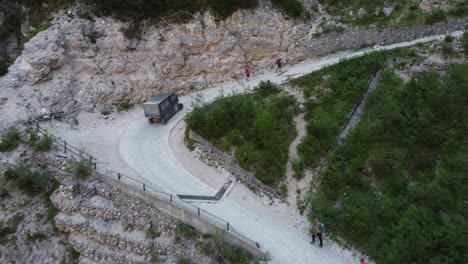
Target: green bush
[206, 248]
[396, 186]
[3, 192]
[129, 227]
[259, 128]
[38, 29]
[298, 166]
[39, 143]
[132, 31]
[449, 39]
[36, 237]
[10, 140]
[446, 48]
[292, 8]
[436, 15]
[51, 213]
[9, 227]
[51, 210]
[125, 107]
[459, 9]
[74, 256]
[235, 254]
[150, 234]
[4, 64]
[179, 9]
[266, 88]
[225, 8]
[464, 41]
[29, 179]
[283, 190]
[80, 169]
[185, 231]
[155, 258]
[183, 261]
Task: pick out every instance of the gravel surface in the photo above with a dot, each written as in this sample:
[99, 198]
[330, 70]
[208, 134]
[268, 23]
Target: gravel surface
[126, 142]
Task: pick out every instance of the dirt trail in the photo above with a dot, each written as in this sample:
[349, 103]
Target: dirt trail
[131, 145]
[297, 189]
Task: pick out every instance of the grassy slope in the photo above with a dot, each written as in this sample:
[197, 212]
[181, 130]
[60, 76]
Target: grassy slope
[335, 91]
[404, 12]
[397, 186]
[258, 127]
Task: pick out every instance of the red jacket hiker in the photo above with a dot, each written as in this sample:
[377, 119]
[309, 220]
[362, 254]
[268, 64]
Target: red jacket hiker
[278, 62]
[363, 261]
[248, 70]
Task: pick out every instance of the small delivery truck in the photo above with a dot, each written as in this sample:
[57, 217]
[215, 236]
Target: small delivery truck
[159, 108]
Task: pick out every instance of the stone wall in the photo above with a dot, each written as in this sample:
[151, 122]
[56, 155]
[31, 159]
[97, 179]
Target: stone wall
[362, 37]
[109, 225]
[232, 166]
[201, 223]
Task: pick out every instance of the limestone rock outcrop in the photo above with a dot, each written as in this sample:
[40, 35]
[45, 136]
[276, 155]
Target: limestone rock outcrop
[82, 64]
[107, 226]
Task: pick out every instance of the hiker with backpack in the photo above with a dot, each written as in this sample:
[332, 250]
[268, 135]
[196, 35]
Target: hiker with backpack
[278, 64]
[248, 71]
[317, 231]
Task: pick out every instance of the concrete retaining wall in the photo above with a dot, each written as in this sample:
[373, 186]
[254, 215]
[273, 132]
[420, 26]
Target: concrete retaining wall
[189, 218]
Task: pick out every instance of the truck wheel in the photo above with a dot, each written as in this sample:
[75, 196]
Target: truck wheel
[164, 121]
[181, 106]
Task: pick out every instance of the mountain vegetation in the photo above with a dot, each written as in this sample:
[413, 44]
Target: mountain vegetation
[399, 13]
[396, 187]
[258, 127]
[332, 93]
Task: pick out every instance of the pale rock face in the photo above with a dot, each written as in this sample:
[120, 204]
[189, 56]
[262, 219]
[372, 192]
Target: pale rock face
[80, 63]
[49, 54]
[361, 12]
[428, 5]
[388, 11]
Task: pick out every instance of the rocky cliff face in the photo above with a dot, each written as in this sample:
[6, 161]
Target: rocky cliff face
[107, 226]
[79, 63]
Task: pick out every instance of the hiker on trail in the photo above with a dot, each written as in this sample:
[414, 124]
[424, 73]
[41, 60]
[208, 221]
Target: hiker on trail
[363, 261]
[278, 63]
[248, 71]
[317, 231]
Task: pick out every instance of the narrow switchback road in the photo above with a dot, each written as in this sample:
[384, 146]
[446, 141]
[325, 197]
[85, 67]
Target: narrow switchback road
[144, 151]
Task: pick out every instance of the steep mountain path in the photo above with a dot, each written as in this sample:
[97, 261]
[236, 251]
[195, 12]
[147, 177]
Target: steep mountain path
[297, 188]
[131, 145]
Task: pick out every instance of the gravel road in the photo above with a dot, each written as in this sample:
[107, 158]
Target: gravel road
[131, 145]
